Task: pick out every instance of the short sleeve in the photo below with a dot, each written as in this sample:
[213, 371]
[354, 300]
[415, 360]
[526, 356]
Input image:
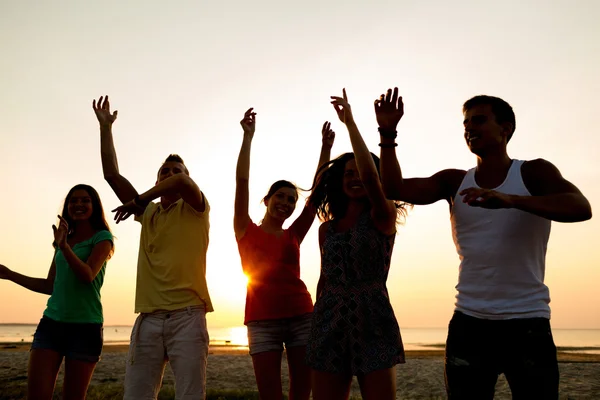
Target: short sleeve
[102, 236]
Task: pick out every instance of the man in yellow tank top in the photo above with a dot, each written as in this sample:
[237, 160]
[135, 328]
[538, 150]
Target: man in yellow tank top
[171, 293]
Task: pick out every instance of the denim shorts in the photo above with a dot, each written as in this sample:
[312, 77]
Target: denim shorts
[82, 342]
[270, 335]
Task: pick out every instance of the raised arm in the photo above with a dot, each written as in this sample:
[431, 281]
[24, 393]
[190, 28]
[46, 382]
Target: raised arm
[241, 219]
[179, 184]
[443, 185]
[39, 285]
[303, 223]
[384, 210]
[87, 270]
[552, 196]
[110, 167]
[322, 230]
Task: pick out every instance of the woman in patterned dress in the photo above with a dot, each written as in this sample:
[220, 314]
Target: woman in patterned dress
[354, 330]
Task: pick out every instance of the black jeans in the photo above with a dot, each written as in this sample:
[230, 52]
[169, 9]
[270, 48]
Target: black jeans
[479, 350]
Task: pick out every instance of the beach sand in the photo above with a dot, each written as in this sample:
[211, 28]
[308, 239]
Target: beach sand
[422, 377]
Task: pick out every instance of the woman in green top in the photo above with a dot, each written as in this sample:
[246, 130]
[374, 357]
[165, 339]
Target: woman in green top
[71, 327]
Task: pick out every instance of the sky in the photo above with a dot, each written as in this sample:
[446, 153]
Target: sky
[181, 74]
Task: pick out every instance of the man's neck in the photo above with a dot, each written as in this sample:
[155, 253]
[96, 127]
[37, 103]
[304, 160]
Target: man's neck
[492, 169]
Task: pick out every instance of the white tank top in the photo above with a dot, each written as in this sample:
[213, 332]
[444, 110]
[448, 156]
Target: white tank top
[502, 255]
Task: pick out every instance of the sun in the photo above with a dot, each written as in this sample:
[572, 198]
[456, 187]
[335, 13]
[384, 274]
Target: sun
[239, 336]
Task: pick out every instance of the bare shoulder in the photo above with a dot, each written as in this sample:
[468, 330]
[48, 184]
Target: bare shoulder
[541, 177]
[322, 231]
[450, 180]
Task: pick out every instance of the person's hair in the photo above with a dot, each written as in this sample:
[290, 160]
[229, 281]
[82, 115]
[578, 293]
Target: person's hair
[328, 195]
[97, 219]
[174, 158]
[500, 108]
[278, 185]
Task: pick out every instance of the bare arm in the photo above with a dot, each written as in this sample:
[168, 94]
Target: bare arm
[552, 196]
[301, 226]
[322, 230]
[384, 210]
[87, 271]
[39, 285]
[110, 167]
[389, 109]
[241, 219]
[178, 184]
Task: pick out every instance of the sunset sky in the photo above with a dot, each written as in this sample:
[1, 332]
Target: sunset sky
[182, 74]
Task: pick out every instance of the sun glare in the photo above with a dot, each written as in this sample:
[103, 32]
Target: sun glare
[239, 336]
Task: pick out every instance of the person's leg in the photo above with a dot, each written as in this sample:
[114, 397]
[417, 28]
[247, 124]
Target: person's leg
[329, 386]
[83, 347]
[531, 366]
[295, 344]
[267, 370]
[470, 368]
[41, 373]
[44, 359]
[265, 341]
[146, 359]
[299, 373]
[186, 342]
[78, 375]
[378, 385]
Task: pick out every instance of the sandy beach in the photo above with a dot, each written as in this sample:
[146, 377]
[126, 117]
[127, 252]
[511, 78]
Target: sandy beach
[230, 368]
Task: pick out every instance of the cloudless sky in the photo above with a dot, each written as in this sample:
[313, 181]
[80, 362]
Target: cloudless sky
[182, 74]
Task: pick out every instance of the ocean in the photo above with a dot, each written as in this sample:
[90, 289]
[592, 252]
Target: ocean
[581, 340]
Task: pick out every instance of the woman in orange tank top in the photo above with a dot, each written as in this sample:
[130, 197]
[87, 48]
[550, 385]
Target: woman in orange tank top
[278, 305]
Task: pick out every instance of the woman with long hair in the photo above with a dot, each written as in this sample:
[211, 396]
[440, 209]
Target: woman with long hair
[354, 332]
[278, 305]
[71, 326]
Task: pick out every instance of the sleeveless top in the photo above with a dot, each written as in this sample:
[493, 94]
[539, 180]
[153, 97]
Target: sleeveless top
[502, 255]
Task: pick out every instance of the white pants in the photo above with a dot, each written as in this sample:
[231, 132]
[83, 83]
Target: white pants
[180, 337]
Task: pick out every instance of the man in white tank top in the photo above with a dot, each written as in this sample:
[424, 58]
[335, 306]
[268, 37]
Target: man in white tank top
[501, 212]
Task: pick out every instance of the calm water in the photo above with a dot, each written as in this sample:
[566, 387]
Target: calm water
[414, 338]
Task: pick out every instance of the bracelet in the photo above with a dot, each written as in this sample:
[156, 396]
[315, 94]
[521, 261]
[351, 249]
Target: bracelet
[388, 134]
[388, 145]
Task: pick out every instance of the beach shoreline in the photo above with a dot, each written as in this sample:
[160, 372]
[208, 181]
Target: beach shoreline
[230, 368]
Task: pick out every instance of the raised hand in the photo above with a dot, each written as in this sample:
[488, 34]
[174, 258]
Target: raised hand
[102, 110]
[4, 272]
[249, 123]
[342, 107]
[389, 109]
[60, 233]
[127, 210]
[486, 198]
[328, 135]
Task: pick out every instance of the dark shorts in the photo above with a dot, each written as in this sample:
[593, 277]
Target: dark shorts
[479, 350]
[82, 342]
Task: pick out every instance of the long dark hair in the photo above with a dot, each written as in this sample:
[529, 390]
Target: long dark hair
[328, 195]
[97, 219]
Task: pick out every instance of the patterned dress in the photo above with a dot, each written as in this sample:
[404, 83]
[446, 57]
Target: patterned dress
[354, 328]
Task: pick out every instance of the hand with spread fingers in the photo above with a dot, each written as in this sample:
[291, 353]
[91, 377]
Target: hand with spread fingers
[486, 198]
[127, 210]
[249, 123]
[328, 135]
[342, 107]
[102, 110]
[60, 233]
[389, 109]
